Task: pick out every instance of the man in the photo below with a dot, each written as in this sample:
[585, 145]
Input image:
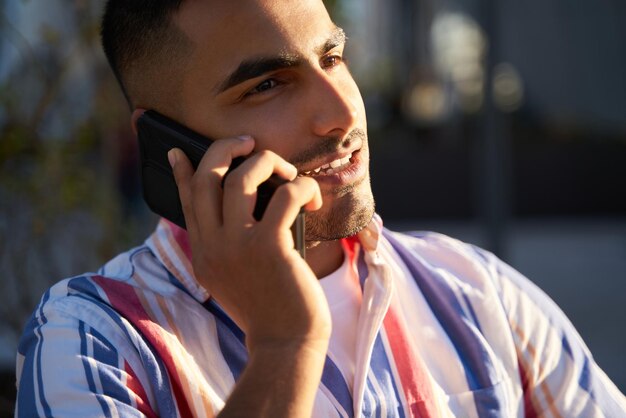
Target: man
[226, 318]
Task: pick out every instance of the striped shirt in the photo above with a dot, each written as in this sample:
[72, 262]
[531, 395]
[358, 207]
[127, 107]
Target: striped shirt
[444, 329]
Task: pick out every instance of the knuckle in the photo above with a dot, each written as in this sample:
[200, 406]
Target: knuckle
[306, 183]
[223, 145]
[266, 154]
[267, 157]
[288, 191]
[235, 180]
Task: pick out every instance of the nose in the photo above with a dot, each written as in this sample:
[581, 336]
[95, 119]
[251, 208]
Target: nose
[335, 99]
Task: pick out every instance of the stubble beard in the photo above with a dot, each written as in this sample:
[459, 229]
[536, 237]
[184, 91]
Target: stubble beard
[349, 214]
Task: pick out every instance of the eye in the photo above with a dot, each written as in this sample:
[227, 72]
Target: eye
[331, 61]
[264, 86]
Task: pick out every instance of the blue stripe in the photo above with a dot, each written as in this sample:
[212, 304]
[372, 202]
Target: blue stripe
[27, 342]
[602, 398]
[170, 277]
[88, 373]
[362, 269]
[30, 347]
[231, 339]
[177, 283]
[488, 401]
[590, 384]
[566, 347]
[374, 410]
[472, 312]
[110, 377]
[334, 381]
[122, 267]
[585, 378]
[381, 367]
[152, 364]
[368, 409]
[43, 320]
[458, 324]
[26, 390]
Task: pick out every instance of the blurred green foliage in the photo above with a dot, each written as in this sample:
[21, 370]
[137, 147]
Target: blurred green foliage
[62, 163]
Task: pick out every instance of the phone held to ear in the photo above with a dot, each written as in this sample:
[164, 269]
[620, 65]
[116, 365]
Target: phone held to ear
[157, 135]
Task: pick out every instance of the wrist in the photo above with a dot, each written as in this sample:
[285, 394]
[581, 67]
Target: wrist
[310, 346]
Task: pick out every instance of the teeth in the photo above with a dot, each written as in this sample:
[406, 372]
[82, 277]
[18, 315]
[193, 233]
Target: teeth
[328, 168]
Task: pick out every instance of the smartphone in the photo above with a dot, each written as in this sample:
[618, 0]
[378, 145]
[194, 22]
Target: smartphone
[157, 134]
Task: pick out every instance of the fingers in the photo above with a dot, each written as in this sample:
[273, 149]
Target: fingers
[205, 189]
[207, 207]
[289, 198]
[240, 186]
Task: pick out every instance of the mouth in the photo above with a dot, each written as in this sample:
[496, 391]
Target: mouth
[333, 167]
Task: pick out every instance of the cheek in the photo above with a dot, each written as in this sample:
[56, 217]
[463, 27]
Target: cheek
[277, 126]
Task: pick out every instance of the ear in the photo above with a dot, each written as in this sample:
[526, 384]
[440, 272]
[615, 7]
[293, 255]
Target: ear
[134, 117]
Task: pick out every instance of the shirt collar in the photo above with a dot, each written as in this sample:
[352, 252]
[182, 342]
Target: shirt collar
[170, 244]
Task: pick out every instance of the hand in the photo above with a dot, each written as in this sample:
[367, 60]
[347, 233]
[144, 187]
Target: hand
[251, 268]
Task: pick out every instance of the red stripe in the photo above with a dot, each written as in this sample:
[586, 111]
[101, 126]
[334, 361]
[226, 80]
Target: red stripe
[124, 300]
[414, 380]
[529, 407]
[181, 237]
[133, 383]
[349, 245]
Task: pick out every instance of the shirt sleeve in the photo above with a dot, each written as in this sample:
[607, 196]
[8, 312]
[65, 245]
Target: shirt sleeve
[68, 368]
[558, 373]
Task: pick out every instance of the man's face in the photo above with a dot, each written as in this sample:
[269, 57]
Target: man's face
[274, 70]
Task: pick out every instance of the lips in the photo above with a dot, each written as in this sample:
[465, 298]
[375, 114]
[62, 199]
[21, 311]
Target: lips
[330, 168]
[337, 163]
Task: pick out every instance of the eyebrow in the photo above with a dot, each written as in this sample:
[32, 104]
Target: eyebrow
[256, 67]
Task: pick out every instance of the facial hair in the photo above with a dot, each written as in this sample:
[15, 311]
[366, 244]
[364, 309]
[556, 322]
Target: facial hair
[348, 209]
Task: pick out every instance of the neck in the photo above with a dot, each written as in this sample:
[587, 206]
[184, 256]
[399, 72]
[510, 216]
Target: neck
[324, 257]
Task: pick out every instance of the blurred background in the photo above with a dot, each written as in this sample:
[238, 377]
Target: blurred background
[501, 123]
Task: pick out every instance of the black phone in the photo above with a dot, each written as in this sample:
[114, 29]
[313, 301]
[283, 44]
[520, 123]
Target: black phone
[157, 135]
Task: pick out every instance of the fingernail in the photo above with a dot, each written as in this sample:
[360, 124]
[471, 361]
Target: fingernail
[244, 137]
[171, 157]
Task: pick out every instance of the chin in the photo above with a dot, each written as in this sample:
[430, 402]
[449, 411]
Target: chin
[345, 218]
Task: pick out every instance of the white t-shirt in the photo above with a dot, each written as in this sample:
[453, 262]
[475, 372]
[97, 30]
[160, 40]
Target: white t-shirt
[343, 292]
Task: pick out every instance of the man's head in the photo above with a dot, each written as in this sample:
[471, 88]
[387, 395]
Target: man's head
[143, 45]
[272, 69]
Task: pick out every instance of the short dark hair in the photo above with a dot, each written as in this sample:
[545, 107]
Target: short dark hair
[140, 38]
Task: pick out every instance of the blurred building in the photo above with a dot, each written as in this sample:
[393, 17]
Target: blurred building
[545, 81]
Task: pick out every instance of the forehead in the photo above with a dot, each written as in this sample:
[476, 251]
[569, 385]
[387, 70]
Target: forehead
[225, 32]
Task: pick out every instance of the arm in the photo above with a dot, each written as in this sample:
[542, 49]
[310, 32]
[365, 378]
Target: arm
[278, 382]
[253, 271]
[67, 368]
[558, 373]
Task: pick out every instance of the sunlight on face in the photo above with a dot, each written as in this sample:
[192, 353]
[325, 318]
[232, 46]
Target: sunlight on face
[275, 70]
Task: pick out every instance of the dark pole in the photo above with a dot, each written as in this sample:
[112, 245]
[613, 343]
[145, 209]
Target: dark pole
[494, 147]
